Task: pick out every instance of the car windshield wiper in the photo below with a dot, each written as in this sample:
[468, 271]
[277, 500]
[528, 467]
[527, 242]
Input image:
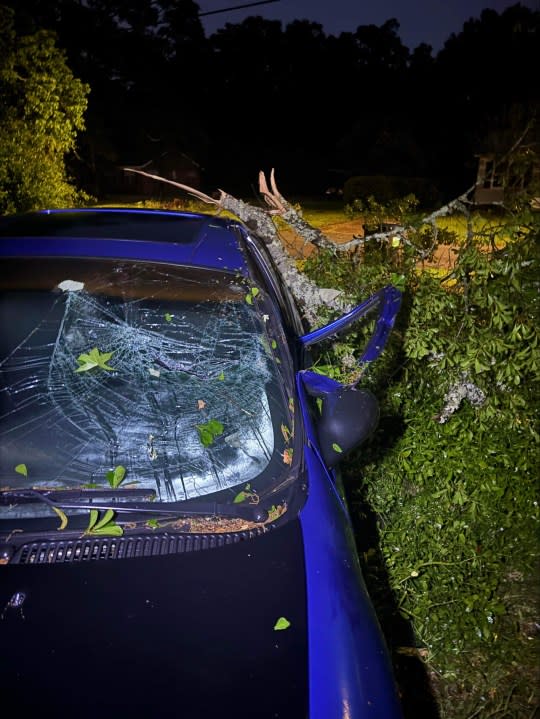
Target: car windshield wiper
[89, 499]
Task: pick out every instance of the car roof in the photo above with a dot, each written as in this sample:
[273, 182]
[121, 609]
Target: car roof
[164, 236]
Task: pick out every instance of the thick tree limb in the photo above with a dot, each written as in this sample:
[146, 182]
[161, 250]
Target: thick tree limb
[308, 295]
[192, 191]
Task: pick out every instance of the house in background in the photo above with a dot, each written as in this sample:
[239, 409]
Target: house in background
[489, 188]
[496, 179]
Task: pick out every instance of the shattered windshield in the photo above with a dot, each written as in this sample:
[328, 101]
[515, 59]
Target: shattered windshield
[171, 373]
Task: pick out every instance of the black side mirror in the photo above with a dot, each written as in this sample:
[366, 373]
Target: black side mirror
[348, 417]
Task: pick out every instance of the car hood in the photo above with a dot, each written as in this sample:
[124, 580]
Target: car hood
[187, 635]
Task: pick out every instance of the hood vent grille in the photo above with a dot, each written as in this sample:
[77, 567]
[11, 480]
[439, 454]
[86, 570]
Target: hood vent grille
[93, 549]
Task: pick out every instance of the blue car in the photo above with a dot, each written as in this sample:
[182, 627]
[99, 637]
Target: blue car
[174, 540]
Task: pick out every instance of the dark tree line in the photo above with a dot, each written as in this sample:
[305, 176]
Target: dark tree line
[257, 94]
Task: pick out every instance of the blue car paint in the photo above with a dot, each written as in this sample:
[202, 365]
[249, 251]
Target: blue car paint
[123, 211]
[349, 669]
[210, 251]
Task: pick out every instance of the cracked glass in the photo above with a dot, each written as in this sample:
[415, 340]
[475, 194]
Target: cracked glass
[171, 372]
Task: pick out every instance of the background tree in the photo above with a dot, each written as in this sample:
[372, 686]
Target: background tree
[145, 64]
[485, 85]
[41, 110]
[327, 107]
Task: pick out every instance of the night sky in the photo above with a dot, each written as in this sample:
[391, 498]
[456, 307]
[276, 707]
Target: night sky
[430, 21]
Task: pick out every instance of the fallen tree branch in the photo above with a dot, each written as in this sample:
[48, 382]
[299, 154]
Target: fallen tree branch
[308, 295]
[261, 221]
[456, 394]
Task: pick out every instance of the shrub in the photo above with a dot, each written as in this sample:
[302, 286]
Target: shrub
[42, 111]
[455, 493]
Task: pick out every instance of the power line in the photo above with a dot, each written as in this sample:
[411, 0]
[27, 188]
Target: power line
[237, 7]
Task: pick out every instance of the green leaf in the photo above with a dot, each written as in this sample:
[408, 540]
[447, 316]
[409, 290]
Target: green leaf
[215, 426]
[104, 526]
[109, 514]
[240, 497]
[111, 530]
[206, 437]
[336, 447]
[221, 376]
[63, 518]
[153, 523]
[92, 359]
[168, 317]
[21, 469]
[254, 291]
[116, 476]
[209, 431]
[94, 514]
[281, 624]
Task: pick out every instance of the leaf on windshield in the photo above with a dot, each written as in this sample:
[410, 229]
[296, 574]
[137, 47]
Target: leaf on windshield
[201, 404]
[94, 514]
[21, 469]
[116, 476]
[245, 494]
[63, 518]
[282, 623]
[254, 291]
[209, 431]
[168, 317]
[104, 526]
[336, 447]
[286, 432]
[240, 497]
[94, 358]
[221, 375]
[287, 455]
